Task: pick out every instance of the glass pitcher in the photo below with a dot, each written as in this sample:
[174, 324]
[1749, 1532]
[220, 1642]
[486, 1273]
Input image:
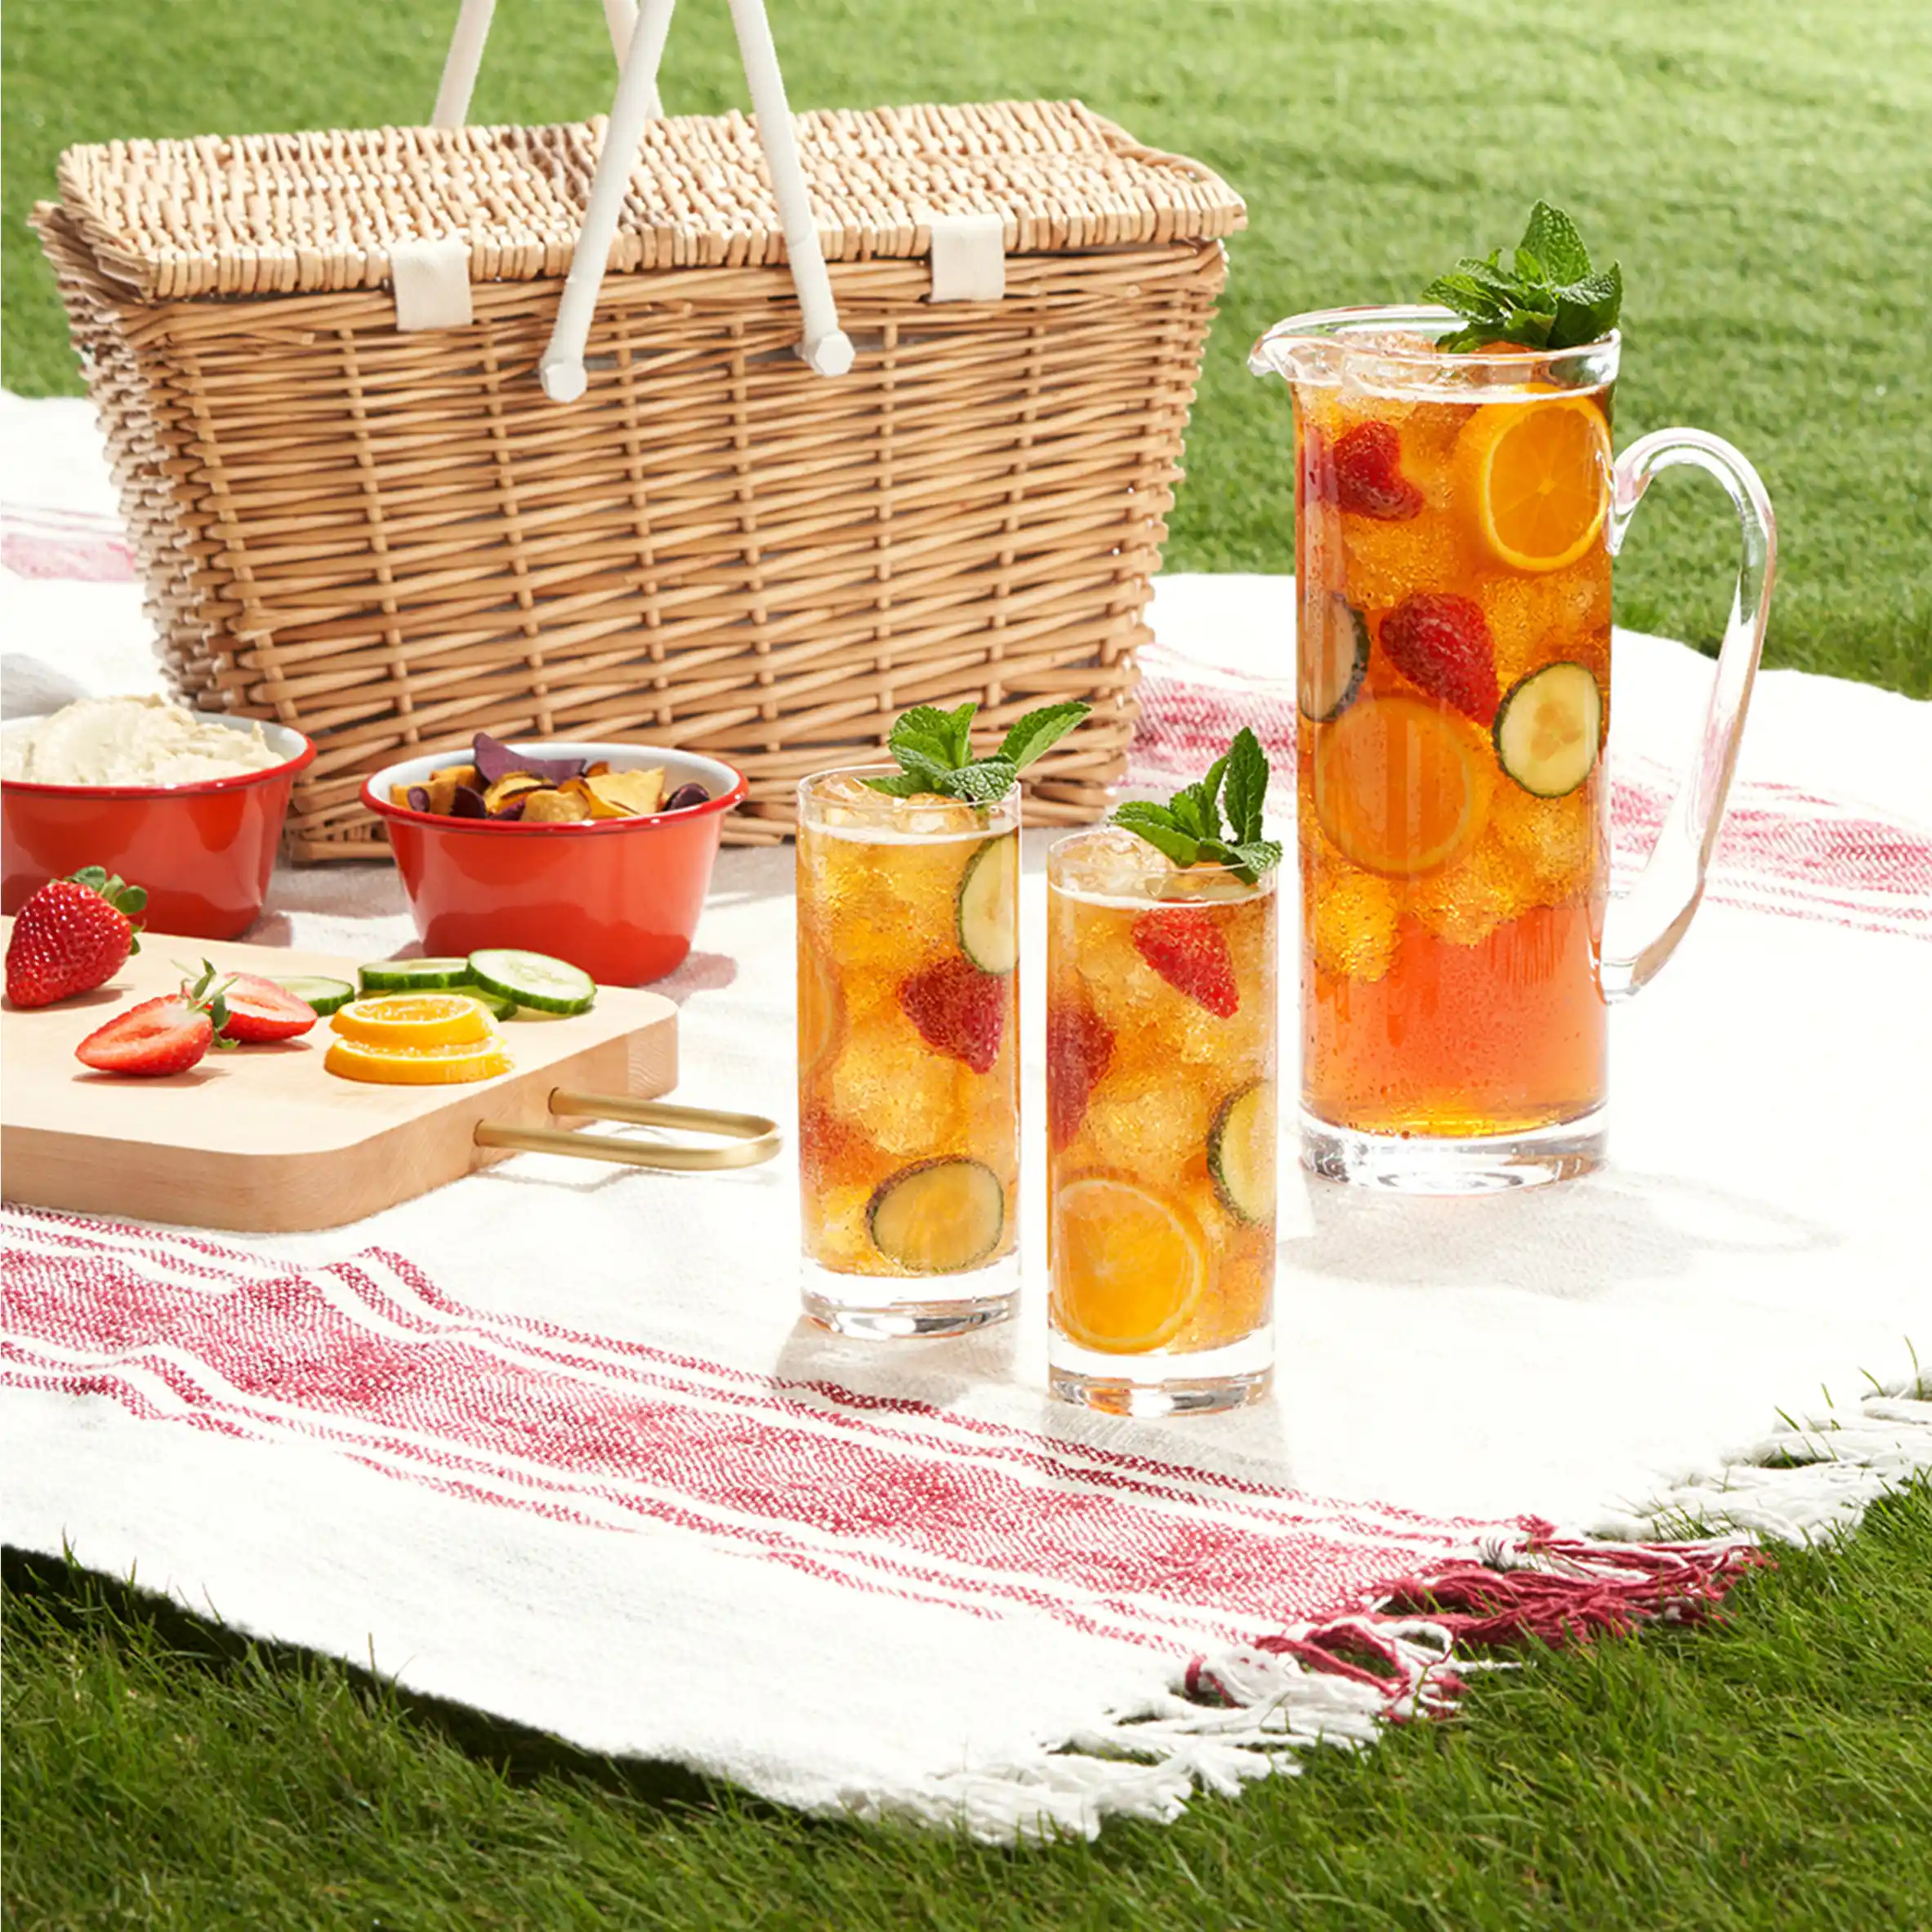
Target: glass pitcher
[1456, 517]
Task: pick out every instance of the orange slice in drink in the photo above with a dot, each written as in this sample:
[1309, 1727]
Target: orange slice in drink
[446, 1065]
[1401, 788]
[821, 1009]
[414, 1020]
[1534, 479]
[1129, 1265]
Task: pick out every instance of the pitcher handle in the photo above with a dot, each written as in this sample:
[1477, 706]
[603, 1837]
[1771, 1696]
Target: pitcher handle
[1642, 927]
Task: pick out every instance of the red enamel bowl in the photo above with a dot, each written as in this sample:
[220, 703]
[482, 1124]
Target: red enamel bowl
[619, 897]
[203, 850]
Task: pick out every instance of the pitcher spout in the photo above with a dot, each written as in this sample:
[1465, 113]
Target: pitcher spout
[1298, 350]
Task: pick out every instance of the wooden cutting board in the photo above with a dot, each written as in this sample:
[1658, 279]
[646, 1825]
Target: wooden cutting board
[262, 1139]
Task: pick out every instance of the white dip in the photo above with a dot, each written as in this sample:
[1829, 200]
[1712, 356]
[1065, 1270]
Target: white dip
[132, 741]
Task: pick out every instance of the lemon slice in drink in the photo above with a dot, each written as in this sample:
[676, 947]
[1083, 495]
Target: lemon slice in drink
[1129, 1265]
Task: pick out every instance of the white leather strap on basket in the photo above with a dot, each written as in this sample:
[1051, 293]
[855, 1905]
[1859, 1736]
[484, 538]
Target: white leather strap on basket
[826, 346]
[969, 258]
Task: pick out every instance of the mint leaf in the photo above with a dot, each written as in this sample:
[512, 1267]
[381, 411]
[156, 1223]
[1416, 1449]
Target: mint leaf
[1139, 812]
[1169, 842]
[1587, 310]
[1188, 828]
[1194, 813]
[1548, 298]
[1551, 239]
[1247, 785]
[984, 782]
[929, 734]
[1210, 789]
[899, 784]
[1039, 731]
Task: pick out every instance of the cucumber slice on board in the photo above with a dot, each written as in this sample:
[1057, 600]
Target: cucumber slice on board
[1548, 728]
[502, 1008]
[938, 1216]
[1330, 664]
[533, 979]
[987, 911]
[325, 996]
[412, 975]
[1241, 1154]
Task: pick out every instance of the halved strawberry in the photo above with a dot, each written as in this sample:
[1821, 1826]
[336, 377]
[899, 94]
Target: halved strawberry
[1442, 642]
[159, 1037]
[1079, 1049]
[958, 1010]
[1368, 477]
[1186, 946]
[72, 935]
[259, 1009]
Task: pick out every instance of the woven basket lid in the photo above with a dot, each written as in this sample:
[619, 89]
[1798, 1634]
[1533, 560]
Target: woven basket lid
[280, 213]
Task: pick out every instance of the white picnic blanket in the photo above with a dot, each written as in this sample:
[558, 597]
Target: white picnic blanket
[553, 1441]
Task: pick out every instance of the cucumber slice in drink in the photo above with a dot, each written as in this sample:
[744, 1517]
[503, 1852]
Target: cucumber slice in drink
[1241, 1154]
[1548, 728]
[325, 996]
[533, 980]
[988, 907]
[1331, 663]
[412, 975]
[938, 1216]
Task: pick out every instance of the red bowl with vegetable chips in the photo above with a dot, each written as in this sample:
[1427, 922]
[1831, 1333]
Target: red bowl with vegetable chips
[618, 896]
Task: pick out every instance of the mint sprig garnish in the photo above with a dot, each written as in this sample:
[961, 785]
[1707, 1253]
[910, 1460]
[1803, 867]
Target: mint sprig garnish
[934, 753]
[1549, 297]
[1188, 828]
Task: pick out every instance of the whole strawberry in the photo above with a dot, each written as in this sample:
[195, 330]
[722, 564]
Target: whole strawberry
[72, 935]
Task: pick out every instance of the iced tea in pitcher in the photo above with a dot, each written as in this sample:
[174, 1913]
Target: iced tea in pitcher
[1453, 682]
[1457, 509]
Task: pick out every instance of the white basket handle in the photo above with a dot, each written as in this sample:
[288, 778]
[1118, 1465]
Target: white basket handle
[461, 63]
[826, 348]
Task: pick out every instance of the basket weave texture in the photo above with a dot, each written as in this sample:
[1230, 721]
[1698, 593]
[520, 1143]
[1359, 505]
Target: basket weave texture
[390, 540]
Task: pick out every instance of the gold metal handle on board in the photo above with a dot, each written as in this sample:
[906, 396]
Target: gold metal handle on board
[749, 1138]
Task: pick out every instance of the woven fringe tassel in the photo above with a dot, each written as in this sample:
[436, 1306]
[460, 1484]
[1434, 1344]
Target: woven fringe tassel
[1558, 1590]
[1250, 1712]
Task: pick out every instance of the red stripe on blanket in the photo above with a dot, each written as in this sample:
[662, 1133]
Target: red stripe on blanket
[288, 1354]
[77, 556]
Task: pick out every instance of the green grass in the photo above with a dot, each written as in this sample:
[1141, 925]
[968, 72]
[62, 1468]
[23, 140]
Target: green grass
[1759, 170]
[1756, 169]
[1775, 1771]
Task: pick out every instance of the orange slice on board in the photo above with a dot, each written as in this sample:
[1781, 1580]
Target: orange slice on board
[414, 1020]
[1129, 1265]
[1534, 479]
[447, 1065]
[1401, 788]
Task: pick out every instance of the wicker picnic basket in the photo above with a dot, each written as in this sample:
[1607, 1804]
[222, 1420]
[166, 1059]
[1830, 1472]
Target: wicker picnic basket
[384, 532]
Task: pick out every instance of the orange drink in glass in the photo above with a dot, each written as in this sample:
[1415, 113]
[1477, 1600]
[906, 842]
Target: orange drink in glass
[908, 1089]
[1161, 1106]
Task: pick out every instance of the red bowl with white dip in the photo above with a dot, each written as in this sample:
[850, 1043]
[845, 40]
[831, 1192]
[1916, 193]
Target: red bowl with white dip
[203, 850]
